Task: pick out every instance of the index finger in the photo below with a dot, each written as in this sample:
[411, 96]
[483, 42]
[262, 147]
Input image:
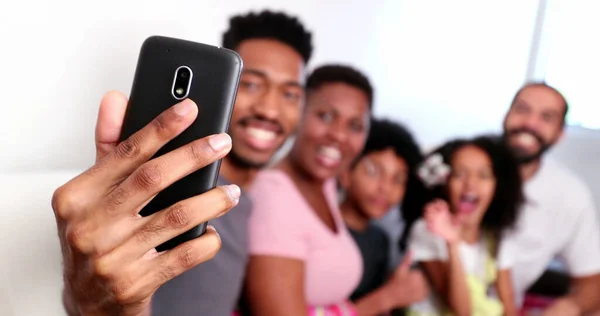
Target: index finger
[127, 156]
[131, 153]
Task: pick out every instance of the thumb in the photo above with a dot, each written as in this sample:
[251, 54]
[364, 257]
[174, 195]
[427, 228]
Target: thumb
[109, 122]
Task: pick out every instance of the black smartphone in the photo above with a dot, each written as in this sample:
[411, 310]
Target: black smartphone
[168, 71]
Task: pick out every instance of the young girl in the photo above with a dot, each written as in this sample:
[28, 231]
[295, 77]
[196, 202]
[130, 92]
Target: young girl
[384, 175]
[478, 187]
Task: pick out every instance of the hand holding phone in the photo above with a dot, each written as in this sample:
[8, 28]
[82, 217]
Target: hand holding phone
[109, 259]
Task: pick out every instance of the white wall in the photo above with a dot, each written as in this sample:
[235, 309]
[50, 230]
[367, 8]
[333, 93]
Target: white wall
[445, 68]
[580, 151]
[436, 64]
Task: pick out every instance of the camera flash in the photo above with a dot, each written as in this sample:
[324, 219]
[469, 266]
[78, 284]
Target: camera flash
[179, 91]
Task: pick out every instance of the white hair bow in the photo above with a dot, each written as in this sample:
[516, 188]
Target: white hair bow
[434, 171]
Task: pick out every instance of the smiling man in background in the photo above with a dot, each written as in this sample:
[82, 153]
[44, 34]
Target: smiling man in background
[559, 218]
[275, 49]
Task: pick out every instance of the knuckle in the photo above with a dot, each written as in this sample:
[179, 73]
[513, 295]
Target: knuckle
[186, 257]
[65, 201]
[148, 177]
[161, 124]
[200, 152]
[59, 204]
[102, 268]
[177, 217]
[76, 236]
[80, 239]
[123, 291]
[128, 148]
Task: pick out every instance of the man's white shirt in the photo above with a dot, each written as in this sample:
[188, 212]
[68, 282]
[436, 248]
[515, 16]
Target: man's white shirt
[559, 219]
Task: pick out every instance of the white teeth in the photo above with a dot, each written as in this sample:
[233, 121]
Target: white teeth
[470, 197]
[526, 139]
[330, 152]
[261, 134]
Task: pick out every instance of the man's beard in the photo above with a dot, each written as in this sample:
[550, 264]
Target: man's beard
[244, 163]
[520, 155]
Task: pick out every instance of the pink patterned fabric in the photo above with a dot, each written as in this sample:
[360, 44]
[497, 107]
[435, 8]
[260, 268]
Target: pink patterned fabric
[535, 304]
[344, 309]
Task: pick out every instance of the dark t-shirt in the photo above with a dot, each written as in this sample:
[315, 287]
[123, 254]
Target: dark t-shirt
[373, 245]
[213, 287]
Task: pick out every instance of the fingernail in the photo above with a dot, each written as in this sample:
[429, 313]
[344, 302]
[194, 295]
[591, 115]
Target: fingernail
[234, 192]
[219, 142]
[184, 107]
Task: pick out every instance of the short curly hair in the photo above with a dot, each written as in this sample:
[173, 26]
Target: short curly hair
[340, 74]
[269, 25]
[386, 134]
[508, 196]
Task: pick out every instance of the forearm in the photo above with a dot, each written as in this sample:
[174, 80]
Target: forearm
[509, 306]
[585, 296]
[505, 291]
[456, 286]
[374, 303]
[510, 311]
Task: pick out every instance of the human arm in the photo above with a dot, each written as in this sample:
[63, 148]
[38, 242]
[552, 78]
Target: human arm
[449, 281]
[448, 278]
[505, 291]
[279, 248]
[275, 286]
[109, 262]
[582, 299]
[405, 287]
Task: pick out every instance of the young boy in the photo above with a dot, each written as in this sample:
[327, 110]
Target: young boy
[377, 182]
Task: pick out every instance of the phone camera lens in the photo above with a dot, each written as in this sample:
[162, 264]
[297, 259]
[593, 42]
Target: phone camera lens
[181, 82]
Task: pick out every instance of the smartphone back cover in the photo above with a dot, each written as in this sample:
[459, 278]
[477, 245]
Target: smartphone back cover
[215, 77]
